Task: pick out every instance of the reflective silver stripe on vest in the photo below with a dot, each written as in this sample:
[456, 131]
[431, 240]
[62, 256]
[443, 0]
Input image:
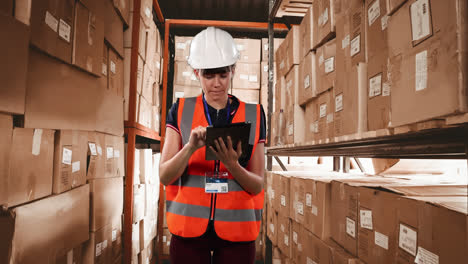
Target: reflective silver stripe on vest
[190, 210]
[251, 117]
[199, 182]
[187, 118]
[240, 215]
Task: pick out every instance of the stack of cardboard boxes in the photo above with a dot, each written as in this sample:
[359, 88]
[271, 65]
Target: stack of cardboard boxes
[149, 67]
[61, 127]
[186, 83]
[356, 68]
[145, 205]
[323, 217]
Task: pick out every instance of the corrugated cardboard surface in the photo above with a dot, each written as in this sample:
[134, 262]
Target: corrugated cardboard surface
[31, 162]
[146, 166]
[272, 225]
[186, 91]
[75, 255]
[14, 51]
[307, 79]
[426, 72]
[378, 105]
[291, 88]
[182, 48]
[166, 240]
[283, 195]
[127, 38]
[139, 198]
[284, 234]
[123, 9]
[250, 96]
[109, 113]
[104, 70]
[247, 76]
[298, 244]
[184, 75]
[6, 139]
[113, 28]
[148, 81]
[393, 5]
[325, 109]
[307, 33]
[249, 50]
[324, 21]
[292, 49]
[98, 249]
[311, 121]
[7, 7]
[146, 11]
[326, 66]
[46, 228]
[106, 202]
[116, 73]
[266, 47]
[357, 23]
[69, 160]
[144, 112]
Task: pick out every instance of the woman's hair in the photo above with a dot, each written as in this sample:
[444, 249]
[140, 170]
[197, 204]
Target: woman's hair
[217, 70]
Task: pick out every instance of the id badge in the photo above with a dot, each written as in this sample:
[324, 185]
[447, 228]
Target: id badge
[216, 182]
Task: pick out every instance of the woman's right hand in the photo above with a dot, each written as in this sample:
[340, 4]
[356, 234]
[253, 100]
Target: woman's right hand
[197, 138]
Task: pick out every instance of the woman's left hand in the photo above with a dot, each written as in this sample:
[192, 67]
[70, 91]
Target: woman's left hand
[226, 153]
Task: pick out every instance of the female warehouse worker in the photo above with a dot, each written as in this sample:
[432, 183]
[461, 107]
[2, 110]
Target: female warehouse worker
[201, 222]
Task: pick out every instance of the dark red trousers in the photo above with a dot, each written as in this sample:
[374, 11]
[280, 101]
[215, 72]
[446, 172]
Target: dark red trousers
[198, 250]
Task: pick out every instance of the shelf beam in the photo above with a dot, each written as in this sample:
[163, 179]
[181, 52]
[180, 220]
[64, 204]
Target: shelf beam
[224, 24]
[274, 9]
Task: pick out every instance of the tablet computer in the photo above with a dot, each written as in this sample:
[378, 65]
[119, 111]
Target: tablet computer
[237, 132]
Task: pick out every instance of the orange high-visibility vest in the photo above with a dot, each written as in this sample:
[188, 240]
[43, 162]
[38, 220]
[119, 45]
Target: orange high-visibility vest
[237, 214]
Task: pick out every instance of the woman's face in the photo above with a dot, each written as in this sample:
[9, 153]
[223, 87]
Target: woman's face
[215, 85]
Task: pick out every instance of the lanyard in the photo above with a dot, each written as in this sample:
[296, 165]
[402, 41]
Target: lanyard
[205, 104]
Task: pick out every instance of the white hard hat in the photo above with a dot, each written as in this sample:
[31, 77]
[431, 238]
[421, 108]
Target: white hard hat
[212, 48]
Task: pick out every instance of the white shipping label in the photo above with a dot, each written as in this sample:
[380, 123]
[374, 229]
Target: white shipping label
[309, 261]
[70, 257]
[36, 144]
[282, 228]
[325, 16]
[339, 103]
[286, 240]
[272, 194]
[114, 235]
[116, 154]
[148, 12]
[295, 237]
[345, 42]
[104, 244]
[104, 69]
[179, 94]
[265, 47]
[366, 219]
[300, 208]
[110, 152]
[244, 77]
[99, 150]
[420, 19]
[381, 240]
[308, 199]
[421, 71]
[408, 239]
[76, 166]
[92, 149]
[283, 200]
[314, 210]
[386, 89]
[98, 249]
[64, 30]
[265, 68]
[323, 110]
[112, 67]
[290, 129]
[330, 65]
[164, 239]
[356, 45]
[321, 59]
[272, 228]
[350, 227]
[158, 65]
[240, 47]
[186, 74]
[424, 256]
[375, 85]
[51, 21]
[384, 22]
[253, 78]
[329, 118]
[373, 12]
[180, 45]
[307, 82]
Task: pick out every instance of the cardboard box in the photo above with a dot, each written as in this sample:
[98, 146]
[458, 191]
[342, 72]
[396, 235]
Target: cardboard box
[250, 96]
[307, 89]
[357, 23]
[424, 74]
[291, 88]
[116, 240]
[96, 167]
[394, 5]
[142, 37]
[98, 249]
[123, 9]
[184, 75]
[146, 11]
[250, 50]
[166, 240]
[284, 234]
[279, 99]
[88, 39]
[425, 224]
[127, 73]
[151, 45]
[280, 59]
[6, 139]
[51, 24]
[147, 231]
[378, 113]
[280, 258]
[59, 224]
[144, 112]
[311, 121]
[109, 113]
[247, 76]
[341, 256]
[182, 48]
[152, 200]
[298, 242]
[264, 75]
[272, 224]
[307, 33]
[75, 255]
[103, 80]
[377, 228]
[139, 198]
[146, 166]
[186, 91]
[13, 72]
[70, 152]
[116, 73]
[291, 50]
[270, 188]
[106, 202]
[7, 7]
[266, 47]
[326, 66]
[283, 202]
[324, 21]
[59, 96]
[325, 109]
[113, 28]
[34, 148]
[157, 69]
[136, 239]
[148, 81]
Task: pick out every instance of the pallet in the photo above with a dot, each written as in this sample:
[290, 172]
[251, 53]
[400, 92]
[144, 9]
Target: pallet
[293, 8]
